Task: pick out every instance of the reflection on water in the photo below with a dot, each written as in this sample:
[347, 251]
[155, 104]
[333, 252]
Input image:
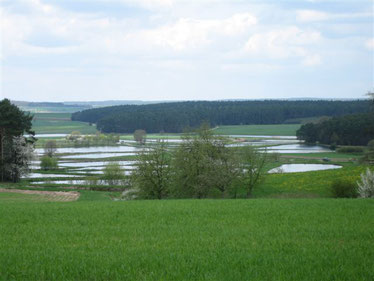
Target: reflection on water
[263, 137]
[297, 168]
[96, 155]
[94, 164]
[92, 149]
[38, 175]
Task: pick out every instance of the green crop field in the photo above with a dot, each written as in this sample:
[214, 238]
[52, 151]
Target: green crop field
[260, 239]
[54, 123]
[270, 130]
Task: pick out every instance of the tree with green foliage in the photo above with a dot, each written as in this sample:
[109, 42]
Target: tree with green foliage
[48, 163]
[113, 174]
[14, 123]
[152, 176]
[252, 169]
[203, 165]
[140, 136]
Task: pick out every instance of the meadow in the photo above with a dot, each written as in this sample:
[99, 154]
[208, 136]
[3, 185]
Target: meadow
[59, 123]
[263, 239]
[269, 130]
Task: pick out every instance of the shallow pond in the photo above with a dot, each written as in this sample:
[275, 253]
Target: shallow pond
[89, 165]
[298, 148]
[38, 175]
[263, 137]
[297, 168]
[96, 155]
[92, 149]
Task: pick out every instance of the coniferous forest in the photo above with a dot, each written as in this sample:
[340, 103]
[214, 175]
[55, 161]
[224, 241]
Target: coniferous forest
[352, 129]
[174, 117]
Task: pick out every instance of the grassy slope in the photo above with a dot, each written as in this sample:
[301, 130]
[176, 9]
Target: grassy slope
[309, 184]
[53, 123]
[272, 130]
[187, 240]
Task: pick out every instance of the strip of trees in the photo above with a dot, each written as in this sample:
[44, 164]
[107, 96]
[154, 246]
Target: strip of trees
[354, 129]
[174, 117]
[202, 166]
[16, 151]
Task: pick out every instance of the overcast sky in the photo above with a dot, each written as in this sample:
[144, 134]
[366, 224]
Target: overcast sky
[66, 50]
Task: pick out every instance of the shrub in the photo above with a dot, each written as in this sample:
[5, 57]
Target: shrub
[344, 189]
[350, 149]
[366, 186]
[48, 163]
[113, 174]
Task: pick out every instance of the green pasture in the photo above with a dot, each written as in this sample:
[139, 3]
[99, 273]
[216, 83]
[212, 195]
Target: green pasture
[59, 123]
[262, 239]
[269, 130]
[306, 185]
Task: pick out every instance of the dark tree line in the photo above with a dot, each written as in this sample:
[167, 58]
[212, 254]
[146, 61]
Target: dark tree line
[353, 129]
[176, 116]
[15, 150]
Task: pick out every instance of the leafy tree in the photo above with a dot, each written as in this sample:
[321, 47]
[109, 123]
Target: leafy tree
[153, 173]
[252, 170]
[21, 153]
[366, 185]
[50, 148]
[140, 136]
[13, 124]
[113, 174]
[202, 164]
[48, 163]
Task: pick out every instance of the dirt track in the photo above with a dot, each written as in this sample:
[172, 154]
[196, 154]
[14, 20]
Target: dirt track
[49, 195]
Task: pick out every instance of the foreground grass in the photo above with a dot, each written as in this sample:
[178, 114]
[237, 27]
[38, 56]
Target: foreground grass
[59, 123]
[263, 239]
[270, 130]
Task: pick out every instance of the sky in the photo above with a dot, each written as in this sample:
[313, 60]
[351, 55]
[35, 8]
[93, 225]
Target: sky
[92, 50]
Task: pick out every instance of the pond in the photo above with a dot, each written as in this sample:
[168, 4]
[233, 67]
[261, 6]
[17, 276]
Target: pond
[92, 149]
[263, 137]
[96, 155]
[89, 165]
[38, 175]
[298, 148]
[297, 168]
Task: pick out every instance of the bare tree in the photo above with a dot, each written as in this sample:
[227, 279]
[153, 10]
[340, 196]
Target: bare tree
[50, 148]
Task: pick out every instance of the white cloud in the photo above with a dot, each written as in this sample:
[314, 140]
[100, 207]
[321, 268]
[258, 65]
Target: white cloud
[311, 15]
[314, 15]
[189, 33]
[312, 60]
[370, 43]
[282, 43]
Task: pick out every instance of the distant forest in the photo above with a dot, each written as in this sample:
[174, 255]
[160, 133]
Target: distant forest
[353, 129]
[175, 117]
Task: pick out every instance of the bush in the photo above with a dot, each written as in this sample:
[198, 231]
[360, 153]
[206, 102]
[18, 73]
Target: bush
[344, 189]
[113, 174]
[350, 149]
[48, 163]
[366, 186]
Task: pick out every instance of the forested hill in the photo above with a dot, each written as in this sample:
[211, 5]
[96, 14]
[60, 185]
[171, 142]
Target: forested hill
[174, 117]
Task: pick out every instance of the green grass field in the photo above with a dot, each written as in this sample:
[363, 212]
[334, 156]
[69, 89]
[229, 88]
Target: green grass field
[262, 239]
[269, 130]
[59, 123]
[309, 184]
